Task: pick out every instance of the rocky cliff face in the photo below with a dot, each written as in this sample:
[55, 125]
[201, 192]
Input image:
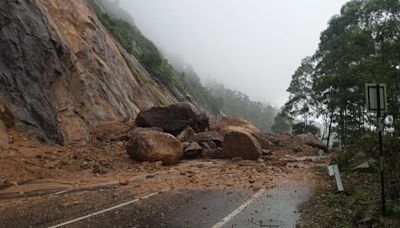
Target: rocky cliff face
[62, 74]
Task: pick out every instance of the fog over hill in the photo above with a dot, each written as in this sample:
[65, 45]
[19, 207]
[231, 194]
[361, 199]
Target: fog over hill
[251, 46]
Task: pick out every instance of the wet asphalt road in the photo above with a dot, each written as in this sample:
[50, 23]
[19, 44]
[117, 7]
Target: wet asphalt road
[273, 208]
[174, 208]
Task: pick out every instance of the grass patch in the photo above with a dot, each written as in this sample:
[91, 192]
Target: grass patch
[359, 207]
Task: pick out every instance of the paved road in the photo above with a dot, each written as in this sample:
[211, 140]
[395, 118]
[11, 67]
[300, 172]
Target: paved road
[175, 208]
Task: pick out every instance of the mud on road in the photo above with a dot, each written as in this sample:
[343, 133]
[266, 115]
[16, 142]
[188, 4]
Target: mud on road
[43, 185]
[273, 206]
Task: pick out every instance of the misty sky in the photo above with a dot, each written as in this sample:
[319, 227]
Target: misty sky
[249, 45]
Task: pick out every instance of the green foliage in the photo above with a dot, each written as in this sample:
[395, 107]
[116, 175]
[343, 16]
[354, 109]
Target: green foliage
[151, 60]
[344, 159]
[360, 45]
[282, 123]
[396, 208]
[359, 207]
[132, 40]
[121, 31]
[300, 99]
[238, 104]
[304, 128]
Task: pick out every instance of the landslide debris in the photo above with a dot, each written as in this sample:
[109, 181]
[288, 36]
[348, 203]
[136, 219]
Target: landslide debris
[230, 138]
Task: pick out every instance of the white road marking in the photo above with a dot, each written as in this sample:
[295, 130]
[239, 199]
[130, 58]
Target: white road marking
[239, 209]
[61, 192]
[103, 211]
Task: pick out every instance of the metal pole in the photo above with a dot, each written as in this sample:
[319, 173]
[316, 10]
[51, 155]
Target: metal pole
[380, 129]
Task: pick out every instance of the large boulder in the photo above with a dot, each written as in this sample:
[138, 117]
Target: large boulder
[310, 140]
[151, 145]
[172, 118]
[240, 143]
[231, 123]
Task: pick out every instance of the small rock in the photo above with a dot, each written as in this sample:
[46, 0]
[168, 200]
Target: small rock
[257, 187]
[213, 153]
[124, 182]
[186, 134]
[244, 163]
[98, 169]
[158, 164]
[150, 176]
[236, 159]
[193, 150]
[185, 145]
[267, 152]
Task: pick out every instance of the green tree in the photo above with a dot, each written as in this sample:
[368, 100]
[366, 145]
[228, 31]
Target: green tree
[282, 123]
[300, 100]
[304, 128]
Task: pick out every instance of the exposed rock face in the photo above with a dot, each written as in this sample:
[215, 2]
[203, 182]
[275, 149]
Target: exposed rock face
[62, 73]
[240, 143]
[172, 118]
[153, 146]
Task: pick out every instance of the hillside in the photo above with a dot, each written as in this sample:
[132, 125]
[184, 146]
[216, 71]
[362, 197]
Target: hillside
[63, 73]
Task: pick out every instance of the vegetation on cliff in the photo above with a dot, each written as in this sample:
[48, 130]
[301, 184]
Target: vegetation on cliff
[215, 98]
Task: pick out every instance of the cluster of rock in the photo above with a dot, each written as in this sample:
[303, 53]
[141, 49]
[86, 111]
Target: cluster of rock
[306, 143]
[170, 133]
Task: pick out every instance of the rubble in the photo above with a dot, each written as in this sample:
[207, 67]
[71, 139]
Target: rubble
[185, 135]
[213, 153]
[193, 150]
[231, 137]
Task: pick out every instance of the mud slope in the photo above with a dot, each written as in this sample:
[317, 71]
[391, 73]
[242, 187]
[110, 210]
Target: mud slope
[62, 74]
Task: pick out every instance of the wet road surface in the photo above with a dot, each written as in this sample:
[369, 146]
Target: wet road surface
[209, 207]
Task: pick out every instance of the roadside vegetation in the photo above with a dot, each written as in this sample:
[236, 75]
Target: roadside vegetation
[361, 45]
[358, 206]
